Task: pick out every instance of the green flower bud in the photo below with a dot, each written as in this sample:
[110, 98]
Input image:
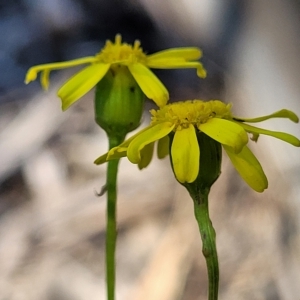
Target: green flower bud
[119, 102]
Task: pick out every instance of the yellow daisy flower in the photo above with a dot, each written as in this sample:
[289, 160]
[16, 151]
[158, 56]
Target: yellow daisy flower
[111, 57]
[185, 121]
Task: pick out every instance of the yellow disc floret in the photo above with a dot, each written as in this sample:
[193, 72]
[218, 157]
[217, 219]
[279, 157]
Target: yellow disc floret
[194, 112]
[121, 52]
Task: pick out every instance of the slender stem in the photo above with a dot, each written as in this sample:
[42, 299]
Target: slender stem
[208, 236]
[111, 222]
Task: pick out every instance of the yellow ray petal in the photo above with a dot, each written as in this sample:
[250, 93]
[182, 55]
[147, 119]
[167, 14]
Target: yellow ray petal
[226, 132]
[114, 153]
[284, 113]
[146, 156]
[185, 155]
[151, 86]
[45, 79]
[249, 168]
[189, 53]
[277, 134]
[163, 147]
[81, 83]
[119, 151]
[101, 159]
[178, 64]
[152, 134]
[33, 71]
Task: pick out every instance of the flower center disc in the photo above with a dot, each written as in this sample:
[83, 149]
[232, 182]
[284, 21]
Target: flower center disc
[194, 112]
[119, 52]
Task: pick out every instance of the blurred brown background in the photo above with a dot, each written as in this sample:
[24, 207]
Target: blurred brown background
[52, 226]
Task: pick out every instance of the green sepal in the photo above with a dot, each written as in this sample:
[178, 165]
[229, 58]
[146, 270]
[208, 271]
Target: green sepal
[119, 102]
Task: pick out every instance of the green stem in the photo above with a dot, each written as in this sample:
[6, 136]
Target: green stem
[111, 222]
[208, 236]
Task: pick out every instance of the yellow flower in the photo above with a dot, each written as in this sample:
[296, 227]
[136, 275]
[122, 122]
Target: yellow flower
[184, 121]
[111, 57]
